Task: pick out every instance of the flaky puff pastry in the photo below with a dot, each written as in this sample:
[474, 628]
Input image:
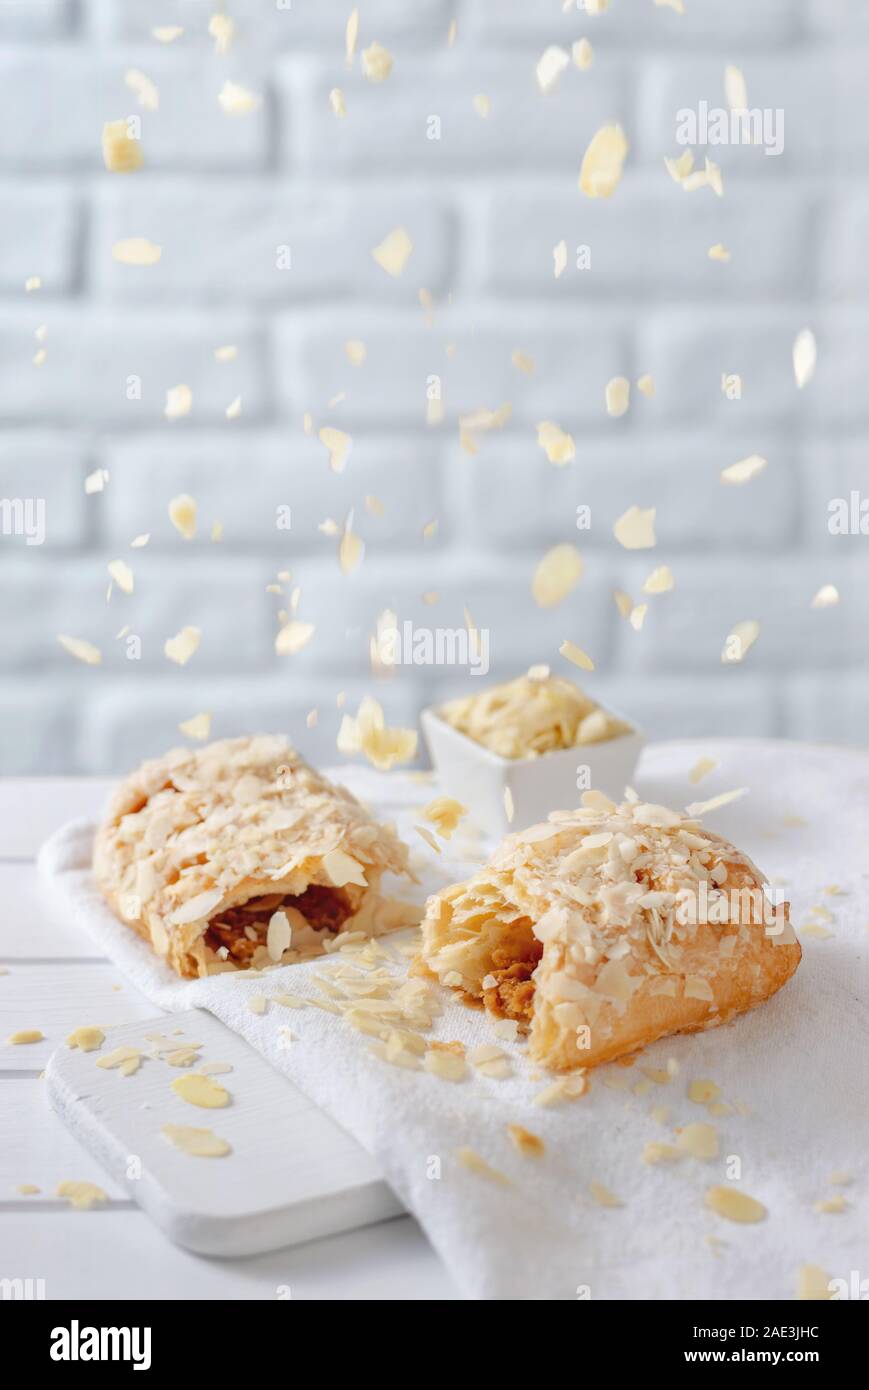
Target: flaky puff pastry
[606, 928]
[200, 850]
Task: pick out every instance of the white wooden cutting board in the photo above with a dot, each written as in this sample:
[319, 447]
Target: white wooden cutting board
[293, 1175]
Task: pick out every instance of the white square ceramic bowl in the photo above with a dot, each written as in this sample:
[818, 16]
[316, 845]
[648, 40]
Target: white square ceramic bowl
[478, 777]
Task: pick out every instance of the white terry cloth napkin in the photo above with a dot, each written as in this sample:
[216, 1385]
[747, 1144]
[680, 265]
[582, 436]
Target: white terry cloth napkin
[793, 1073]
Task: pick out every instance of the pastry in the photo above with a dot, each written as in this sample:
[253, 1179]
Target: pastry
[538, 713]
[608, 927]
[239, 854]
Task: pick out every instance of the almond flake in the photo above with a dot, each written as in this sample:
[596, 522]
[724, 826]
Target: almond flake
[470, 1159]
[350, 552]
[25, 1035]
[656, 1152]
[167, 33]
[583, 54]
[81, 650]
[368, 734]
[550, 66]
[137, 250]
[87, 1039]
[293, 636]
[603, 162]
[635, 528]
[740, 639]
[228, 353]
[337, 103]
[446, 1065]
[646, 386]
[233, 410]
[122, 575]
[805, 356]
[139, 541]
[660, 581]
[122, 154]
[558, 446]
[376, 62]
[526, 1143]
[222, 30]
[81, 1195]
[482, 105]
[351, 34]
[96, 481]
[559, 259]
[603, 1196]
[624, 603]
[393, 252]
[571, 652]
[701, 769]
[181, 647]
[523, 363]
[826, 597]
[444, 813]
[342, 868]
[236, 100]
[700, 808]
[813, 1284]
[356, 351]
[734, 1205]
[179, 400]
[832, 1206]
[201, 1091]
[735, 92]
[618, 396]
[198, 1143]
[702, 1092]
[509, 808]
[338, 444]
[556, 575]
[698, 1140]
[718, 252]
[744, 470]
[198, 726]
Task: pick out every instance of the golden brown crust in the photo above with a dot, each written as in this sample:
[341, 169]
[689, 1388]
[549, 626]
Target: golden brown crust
[192, 837]
[646, 925]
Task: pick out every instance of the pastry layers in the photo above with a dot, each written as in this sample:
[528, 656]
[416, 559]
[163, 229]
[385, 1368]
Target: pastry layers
[606, 928]
[203, 852]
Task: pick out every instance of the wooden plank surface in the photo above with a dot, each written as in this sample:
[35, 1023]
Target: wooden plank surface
[35, 1147]
[32, 808]
[32, 923]
[55, 998]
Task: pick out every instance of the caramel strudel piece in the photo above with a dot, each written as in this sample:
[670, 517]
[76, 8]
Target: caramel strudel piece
[608, 927]
[239, 854]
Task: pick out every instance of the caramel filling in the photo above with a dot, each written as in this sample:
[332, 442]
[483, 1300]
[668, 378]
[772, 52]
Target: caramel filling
[242, 929]
[512, 966]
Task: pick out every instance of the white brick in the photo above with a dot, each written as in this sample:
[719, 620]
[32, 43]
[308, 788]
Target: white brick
[386, 125]
[576, 354]
[690, 706]
[39, 224]
[688, 351]
[92, 352]
[745, 21]
[822, 709]
[510, 495]
[299, 24]
[652, 240]
[843, 266]
[61, 97]
[839, 20]
[37, 728]
[36, 19]
[40, 465]
[685, 630]
[799, 84]
[225, 240]
[244, 489]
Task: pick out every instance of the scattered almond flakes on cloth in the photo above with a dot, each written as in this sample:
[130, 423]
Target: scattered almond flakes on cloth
[779, 1085]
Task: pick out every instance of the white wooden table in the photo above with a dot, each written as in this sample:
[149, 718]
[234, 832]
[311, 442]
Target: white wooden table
[56, 982]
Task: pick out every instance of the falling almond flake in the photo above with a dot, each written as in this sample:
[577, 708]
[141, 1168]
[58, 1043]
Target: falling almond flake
[805, 355]
[744, 470]
[680, 168]
[122, 575]
[233, 410]
[198, 1143]
[236, 100]
[198, 726]
[734, 1205]
[571, 652]
[40, 357]
[292, 637]
[718, 252]
[96, 481]
[374, 506]
[138, 542]
[145, 90]
[583, 54]
[637, 616]
[351, 34]
[179, 400]
[740, 639]
[137, 251]
[559, 258]
[429, 838]
[826, 597]
[701, 769]
[356, 351]
[635, 528]
[81, 1195]
[735, 90]
[444, 813]
[181, 647]
[618, 396]
[677, 5]
[167, 33]
[603, 162]
[556, 575]
[522, 362]
[646, 386]
[393, 252]
[350, 552]
[368, 734]
[482, 105]
[201, 1091]
[33, 282]
[558, 446]
[509, 808]
[81, 650]
[226, 354]
[550, 66]
[337, 103]
[376, 62]
[338, 444]
[182, 514]
[121, 153]
[222, 30]
[624, 603]
[660, 581]
[700, 808]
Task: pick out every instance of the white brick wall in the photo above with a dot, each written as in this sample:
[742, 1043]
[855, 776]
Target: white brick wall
[484, 204]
